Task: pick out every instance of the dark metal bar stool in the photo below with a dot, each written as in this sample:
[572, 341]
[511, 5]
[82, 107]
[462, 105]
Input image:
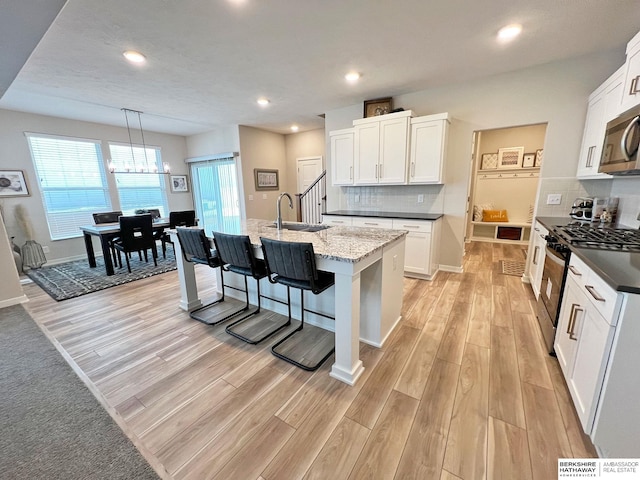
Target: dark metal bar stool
[293, 264]
[183, 218]
[196, 249]
[236, 254]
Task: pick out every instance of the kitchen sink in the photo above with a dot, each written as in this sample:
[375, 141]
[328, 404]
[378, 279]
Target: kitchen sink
[301, 227]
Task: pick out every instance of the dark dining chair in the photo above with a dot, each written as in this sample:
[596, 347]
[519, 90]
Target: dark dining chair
[183, 218]
[237, 256]
[197, 249]
[136, 235]
[108, 217]
[293, 264]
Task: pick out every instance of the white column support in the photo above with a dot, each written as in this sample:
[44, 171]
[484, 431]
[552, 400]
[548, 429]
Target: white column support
[189, 299]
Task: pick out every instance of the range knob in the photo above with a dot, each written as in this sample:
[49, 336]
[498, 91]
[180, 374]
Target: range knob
[551, 239]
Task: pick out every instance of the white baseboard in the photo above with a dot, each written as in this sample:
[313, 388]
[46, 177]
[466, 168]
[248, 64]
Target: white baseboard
[451, 268]
[13, 301]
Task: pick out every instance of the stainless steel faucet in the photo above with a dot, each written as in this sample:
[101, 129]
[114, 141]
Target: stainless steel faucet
[279, 210]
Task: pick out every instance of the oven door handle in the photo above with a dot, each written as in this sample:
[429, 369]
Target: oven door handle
[575, 271]
[594, 294]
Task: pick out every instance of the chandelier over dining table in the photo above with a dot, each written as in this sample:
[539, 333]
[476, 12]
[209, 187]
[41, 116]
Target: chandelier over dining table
[138, 163]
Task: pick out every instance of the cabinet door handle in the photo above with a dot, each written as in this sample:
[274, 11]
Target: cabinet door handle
[575, 271]
[376, 170]
[634, 83]
[410, 226]
[350, 173]
[589, 162]
[413, 169]
[535, 255]
[575, 308]
[371, 223]
[380, 170]
[594, 294]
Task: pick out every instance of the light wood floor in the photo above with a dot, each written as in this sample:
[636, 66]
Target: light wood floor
[463, 388]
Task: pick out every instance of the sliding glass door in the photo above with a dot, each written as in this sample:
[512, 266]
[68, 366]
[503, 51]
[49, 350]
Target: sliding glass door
[216, 195]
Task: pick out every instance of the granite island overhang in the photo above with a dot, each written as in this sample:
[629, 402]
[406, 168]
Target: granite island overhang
[366, 299]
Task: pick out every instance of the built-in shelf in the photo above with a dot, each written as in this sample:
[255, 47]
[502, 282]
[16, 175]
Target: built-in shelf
[509, 170]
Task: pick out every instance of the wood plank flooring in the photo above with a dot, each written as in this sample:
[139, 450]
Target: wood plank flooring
[463, 388]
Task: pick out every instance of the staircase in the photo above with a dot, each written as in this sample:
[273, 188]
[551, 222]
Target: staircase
[311, 202]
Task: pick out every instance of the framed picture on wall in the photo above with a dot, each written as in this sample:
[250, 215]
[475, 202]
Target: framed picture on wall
[13, 184]
[379, 106]
[179, 183]
[266, 179]
[489, 161]
[538, 162]
[510, 157]
[528, 160]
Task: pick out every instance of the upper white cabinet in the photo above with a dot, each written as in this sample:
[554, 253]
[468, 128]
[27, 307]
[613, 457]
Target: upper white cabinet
[342, 156]
[604, 105]
[428, 148]
[380, 149]
[631, 92]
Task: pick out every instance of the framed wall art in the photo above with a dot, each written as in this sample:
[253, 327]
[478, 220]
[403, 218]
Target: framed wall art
[538, 162]
[13, 184]
[510, 157]
[380, 106]
[489, 161]
[528, 160]
[179, 183]
[266, 179]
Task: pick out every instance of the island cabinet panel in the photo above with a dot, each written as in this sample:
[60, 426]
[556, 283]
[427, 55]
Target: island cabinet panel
[428, 148]
[342, 156]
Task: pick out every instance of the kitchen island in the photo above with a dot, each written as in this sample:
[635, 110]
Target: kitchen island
[366, 299]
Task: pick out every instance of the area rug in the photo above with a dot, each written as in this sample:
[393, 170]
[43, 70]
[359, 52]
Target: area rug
[512, 267]
[72, 279]
[52, 426]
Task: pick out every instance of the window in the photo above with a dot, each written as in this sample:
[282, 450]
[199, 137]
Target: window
[139, 190]
[216, 197]
[72, 182]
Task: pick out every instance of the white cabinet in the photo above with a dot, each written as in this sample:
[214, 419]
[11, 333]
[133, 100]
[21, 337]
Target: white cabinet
[536, 265]
[604, 105]
[380, 149]
[631, 92]
[342, 156]
[584, 336]
[428, 148]
[422, 247]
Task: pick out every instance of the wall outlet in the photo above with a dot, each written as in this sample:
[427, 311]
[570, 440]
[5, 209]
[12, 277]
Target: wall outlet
[45, 248]
[251, 198]
[421, 198]
[264, 196]
[554, 199]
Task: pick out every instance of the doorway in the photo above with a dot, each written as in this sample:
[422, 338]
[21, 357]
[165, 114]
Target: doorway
[505, 171]
[215, 195]
[309, 169]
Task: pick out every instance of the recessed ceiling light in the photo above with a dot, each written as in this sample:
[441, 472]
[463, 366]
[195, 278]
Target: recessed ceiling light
[509, 32]
[133, 56]
[352, 77]
[295, 128]
[263, 101]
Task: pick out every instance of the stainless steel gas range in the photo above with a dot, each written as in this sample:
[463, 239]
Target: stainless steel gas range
[557, 253]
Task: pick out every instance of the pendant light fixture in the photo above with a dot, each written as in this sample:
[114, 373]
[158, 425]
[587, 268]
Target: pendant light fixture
[138, 167]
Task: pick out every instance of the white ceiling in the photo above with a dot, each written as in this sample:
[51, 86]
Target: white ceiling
[209, 60]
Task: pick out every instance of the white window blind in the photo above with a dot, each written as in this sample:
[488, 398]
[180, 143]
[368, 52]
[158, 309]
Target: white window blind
[139, 190]
[72, 182]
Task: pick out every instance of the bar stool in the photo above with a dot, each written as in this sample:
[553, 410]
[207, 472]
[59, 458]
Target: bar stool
[236, 255]
[196, 249]
[293, 264]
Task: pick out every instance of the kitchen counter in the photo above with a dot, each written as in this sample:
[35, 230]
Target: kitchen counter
[366, 299]
[372, 214]
[621, 270]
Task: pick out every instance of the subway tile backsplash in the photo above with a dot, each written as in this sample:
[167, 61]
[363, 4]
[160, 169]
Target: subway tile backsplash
[394, 198]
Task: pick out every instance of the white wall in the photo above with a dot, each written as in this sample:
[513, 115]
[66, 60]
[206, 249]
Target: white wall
[555, 94]
[11, 291]
[15, 155]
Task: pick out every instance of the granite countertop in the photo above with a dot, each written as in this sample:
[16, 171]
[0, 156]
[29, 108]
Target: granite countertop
[406, 216]
[621, 270]
[346, 244]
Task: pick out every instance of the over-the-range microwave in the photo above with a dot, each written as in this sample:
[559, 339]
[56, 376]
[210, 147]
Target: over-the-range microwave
[620, 147]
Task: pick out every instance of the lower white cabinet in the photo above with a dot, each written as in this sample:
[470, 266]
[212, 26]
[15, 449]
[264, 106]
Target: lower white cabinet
[536, 265]
[584, 337]
[422, 245]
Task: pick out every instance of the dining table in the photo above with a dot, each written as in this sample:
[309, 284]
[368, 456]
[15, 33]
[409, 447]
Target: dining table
[106, 232]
